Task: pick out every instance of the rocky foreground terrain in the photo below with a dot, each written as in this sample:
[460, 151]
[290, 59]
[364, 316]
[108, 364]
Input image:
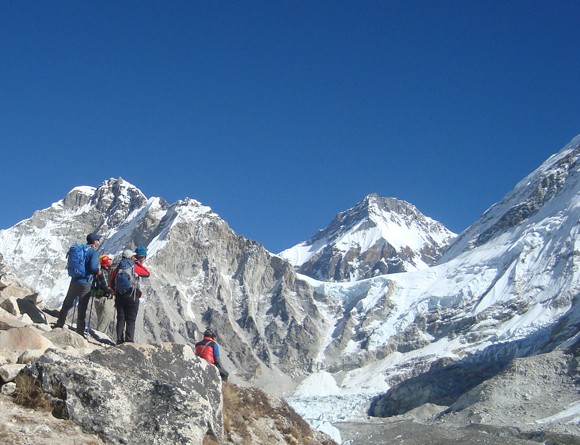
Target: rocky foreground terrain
[60, 388]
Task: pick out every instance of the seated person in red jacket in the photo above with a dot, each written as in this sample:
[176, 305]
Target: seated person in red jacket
[210, 351]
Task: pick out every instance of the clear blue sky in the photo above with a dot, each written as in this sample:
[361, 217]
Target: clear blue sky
[280, 114]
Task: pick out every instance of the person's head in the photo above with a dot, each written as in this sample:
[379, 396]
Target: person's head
[209, 332]
[141, 253]
[105, 261]
[128, 253]
[93, 239]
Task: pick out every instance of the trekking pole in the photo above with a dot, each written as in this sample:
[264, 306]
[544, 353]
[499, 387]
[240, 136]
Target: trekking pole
[114, 322]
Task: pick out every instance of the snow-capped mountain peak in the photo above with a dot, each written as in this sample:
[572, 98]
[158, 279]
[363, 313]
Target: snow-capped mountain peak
[376, 236]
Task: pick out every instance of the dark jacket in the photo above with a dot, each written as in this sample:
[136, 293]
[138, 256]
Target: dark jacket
[101, 284]
[91, 267]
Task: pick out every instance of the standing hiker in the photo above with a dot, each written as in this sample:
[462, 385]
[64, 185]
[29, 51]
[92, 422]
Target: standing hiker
[125, 284]
[140, 269]
[82, 264]
[209, 350]
[103, 294]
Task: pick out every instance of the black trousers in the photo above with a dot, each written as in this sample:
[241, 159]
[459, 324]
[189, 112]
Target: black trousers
[127, 309]
[83, 292]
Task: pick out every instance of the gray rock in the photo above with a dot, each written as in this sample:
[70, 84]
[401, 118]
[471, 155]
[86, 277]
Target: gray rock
[10, 305]
[65, 337]
[22, 339]
[8, 389]
[29, 308]
[9, 372]
[135, 394]
[9, 321]
[28, 356]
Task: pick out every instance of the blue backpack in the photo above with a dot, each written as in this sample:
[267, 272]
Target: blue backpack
[125, 278]
[76, 260]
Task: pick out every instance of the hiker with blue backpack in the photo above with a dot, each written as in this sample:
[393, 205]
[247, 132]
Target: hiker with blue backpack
[125, 284]
[82, 264]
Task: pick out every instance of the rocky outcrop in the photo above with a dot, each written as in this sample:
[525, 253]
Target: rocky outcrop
[134, 394]
[130, 394]
[523, 398]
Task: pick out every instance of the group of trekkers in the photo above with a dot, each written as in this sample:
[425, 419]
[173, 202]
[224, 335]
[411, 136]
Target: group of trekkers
[93, 276]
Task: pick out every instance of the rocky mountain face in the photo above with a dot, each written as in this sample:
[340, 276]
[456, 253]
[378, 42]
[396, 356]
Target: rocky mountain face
[378, 236]
[202, 274]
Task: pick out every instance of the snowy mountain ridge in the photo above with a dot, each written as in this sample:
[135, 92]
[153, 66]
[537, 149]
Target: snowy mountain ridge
[523, 201]
[514, 294]
[375, 237]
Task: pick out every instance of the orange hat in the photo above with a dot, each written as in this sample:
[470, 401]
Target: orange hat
[105, 259]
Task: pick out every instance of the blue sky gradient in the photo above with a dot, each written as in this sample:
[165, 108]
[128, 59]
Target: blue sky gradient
[280, 114]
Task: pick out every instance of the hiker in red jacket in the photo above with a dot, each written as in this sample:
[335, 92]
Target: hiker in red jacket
[125, 284]
[140, 269]
[209, 350]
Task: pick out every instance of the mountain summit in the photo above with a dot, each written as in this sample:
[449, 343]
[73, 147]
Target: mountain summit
[375, 237]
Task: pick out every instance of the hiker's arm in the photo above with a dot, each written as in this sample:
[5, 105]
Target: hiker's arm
[216, 355]
[103, 282]
[141, 270]
[93, 262]
[218, 363]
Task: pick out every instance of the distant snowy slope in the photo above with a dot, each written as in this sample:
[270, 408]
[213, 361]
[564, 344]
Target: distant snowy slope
[533, 194]
[509, 288]
[522, 279]
[377, 236]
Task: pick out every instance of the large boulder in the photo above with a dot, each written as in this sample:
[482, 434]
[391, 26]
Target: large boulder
[9, 321]
[23, 338]
[135, 393]
[62, 338]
